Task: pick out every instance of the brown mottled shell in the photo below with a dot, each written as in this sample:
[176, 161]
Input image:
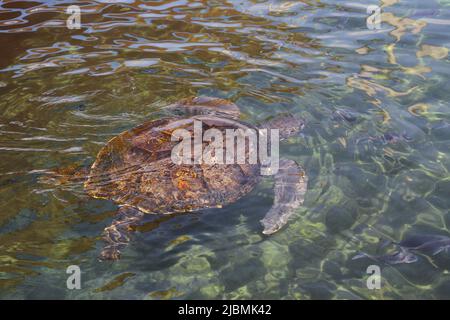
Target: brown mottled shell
[135, 168]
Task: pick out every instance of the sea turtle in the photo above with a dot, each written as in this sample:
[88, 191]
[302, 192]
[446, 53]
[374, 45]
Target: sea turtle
[135, 170]
[426, 243]
[387, 138]
[398, 257]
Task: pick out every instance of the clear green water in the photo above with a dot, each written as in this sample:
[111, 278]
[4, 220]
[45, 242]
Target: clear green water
[64, 93]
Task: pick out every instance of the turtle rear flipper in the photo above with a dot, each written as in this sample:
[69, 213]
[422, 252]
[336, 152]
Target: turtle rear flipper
[290, 188]
[117, 235]
[72, 174]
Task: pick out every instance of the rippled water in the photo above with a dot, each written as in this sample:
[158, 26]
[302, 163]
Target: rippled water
[376, 145]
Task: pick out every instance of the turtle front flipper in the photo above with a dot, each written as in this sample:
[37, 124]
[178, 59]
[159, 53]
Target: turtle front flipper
[117, 235]
[205, 105]
[290, 188]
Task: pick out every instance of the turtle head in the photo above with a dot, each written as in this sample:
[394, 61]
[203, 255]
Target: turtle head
[205, 106]
[269, 228]
[288, 125]
[274, 220]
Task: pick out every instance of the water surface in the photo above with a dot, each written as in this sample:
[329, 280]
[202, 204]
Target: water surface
[380, 171]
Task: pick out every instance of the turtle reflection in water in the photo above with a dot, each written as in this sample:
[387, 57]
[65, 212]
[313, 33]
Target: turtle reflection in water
[135, 170]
